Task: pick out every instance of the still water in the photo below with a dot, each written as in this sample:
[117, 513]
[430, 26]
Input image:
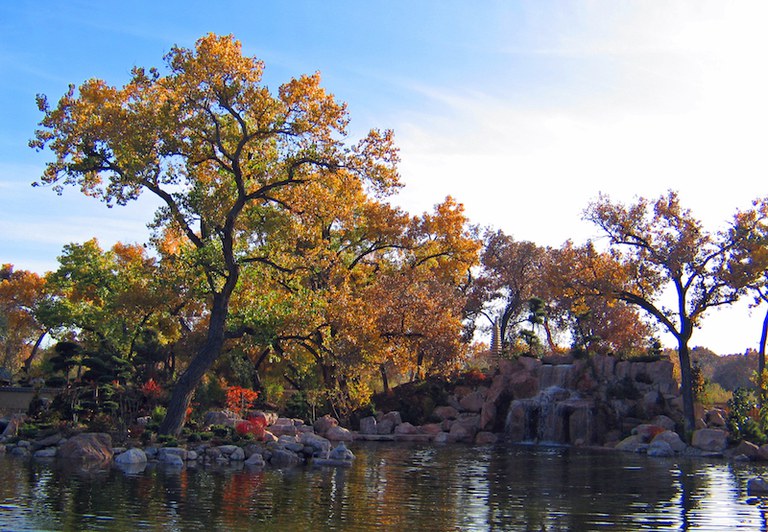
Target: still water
[394, 487]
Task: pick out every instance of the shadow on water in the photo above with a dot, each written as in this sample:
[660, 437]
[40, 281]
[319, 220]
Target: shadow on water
[396, 487]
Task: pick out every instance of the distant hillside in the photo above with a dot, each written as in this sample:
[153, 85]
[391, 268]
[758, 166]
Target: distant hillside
[729, 371]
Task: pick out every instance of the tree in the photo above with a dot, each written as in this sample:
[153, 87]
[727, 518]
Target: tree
[750, 265]
[509, 278]
[116, 303]
[662, 246]
[21, 331]
[573, 277]
[225, 156]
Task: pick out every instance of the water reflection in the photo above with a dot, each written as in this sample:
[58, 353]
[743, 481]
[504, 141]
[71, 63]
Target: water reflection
[395, 487]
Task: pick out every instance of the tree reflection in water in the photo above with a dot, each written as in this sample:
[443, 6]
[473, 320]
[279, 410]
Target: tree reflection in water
[395, 487]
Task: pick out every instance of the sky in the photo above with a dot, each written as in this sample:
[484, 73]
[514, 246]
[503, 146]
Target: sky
[524, 111]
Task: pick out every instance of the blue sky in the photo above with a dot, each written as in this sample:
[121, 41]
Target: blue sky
[523, 111]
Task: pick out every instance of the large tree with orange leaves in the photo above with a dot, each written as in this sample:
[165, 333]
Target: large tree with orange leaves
[227, 157]
[21, 331]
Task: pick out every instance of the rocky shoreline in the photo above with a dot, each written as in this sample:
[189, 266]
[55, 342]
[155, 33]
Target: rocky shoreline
[600, 403]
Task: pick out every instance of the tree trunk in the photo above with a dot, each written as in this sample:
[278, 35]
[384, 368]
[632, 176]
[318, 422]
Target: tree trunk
[35, 349]
[184, 388]
[761, 362]
[686, 385]
[761, 353]
[384, 379]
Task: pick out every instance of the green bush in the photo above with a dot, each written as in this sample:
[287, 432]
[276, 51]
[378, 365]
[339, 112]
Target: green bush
[158, 414]
[741, 422]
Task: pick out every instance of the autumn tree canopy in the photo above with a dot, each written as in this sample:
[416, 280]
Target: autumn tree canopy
[21, 330]
[228, 159]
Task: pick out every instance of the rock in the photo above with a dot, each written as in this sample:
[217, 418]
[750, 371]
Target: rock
[763, 452]
[405, 428]
[12, 428]
[164, 452]
[444, 437]
[757, 486]
[269, 437]
[226, 450]
[320, 446]
[192, 456]
[748, 449]
[393, 416]
[647, 431]
[238, 455]
[22, 452]
[664, 421]
[488, 415]
[714, 440]
[220, 417]
[324, 424]
[523, 385]
[255, 460]
[660, 449]
[339, 434]
[172, 461]
[284, 458]
[131, 457]
[714, 419]
[284, 429]
[385, 426]
[368, 425]
[445, 412]
[672, 439]
[632, 444]
[472, 402]
[485, 438]
[461, 433]
[50, 441]
[341, 452]
[93, 446]
[741, 458]
[47, 452]
[431, 428]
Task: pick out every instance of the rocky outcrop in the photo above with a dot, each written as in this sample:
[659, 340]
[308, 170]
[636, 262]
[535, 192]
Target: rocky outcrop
[91, 447]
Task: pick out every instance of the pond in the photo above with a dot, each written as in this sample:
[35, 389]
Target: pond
[394, 487]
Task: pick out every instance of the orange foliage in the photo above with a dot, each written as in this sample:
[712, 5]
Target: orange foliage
[240, 399]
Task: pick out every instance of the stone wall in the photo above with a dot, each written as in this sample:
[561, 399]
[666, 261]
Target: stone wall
[14, 399]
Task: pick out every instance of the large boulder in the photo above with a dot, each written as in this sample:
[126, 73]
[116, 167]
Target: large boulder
[220, 417]
[660, 449]
[445, 412]
[632, 444]
[92, 446]
[131, 457]
[323, 424]
[255, 460]
[748, 449]
[339, 434]
[713, 440]
[672, 439]
[284, 458]
[368, 425]
[320, 446]
[472, 402]
[406, 428]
